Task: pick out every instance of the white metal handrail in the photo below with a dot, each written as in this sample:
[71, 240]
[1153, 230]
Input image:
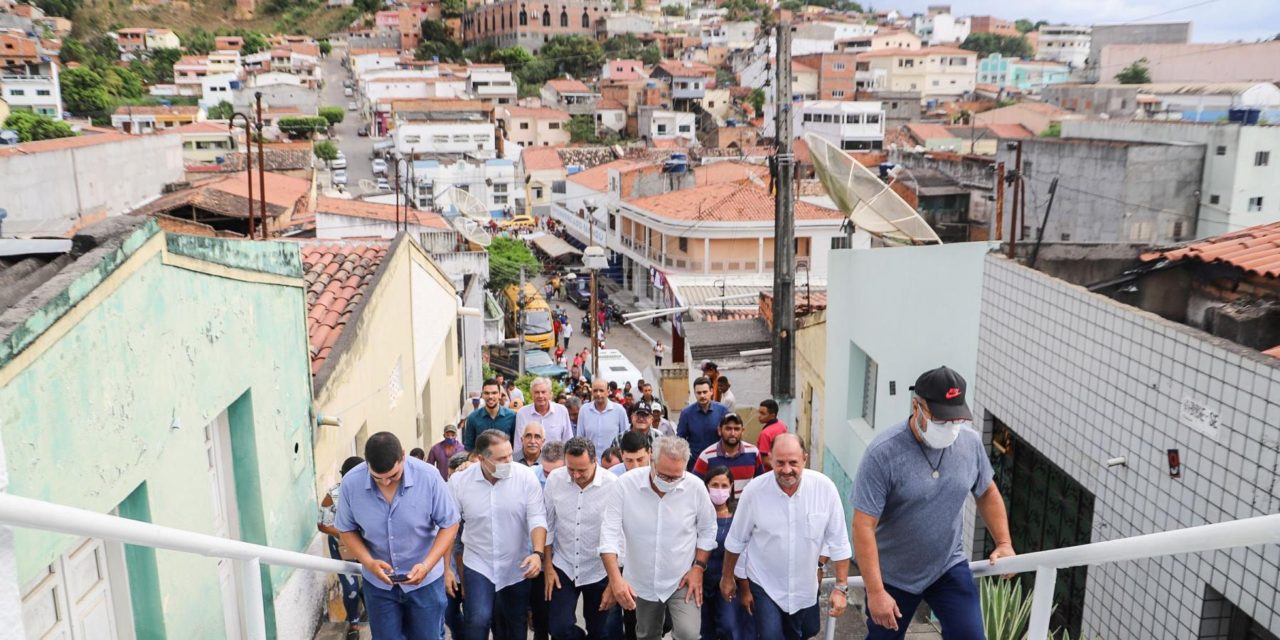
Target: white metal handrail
[36, 514]
[1045, 564]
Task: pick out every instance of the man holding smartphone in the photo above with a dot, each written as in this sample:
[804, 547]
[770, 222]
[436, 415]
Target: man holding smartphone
[396, 517]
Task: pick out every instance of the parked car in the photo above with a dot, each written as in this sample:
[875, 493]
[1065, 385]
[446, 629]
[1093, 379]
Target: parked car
[379, 166]
[339, 163]
[352, 106]
[340, 177]
[536, 361]
[579, 292]
[348, 92]
[383, 185]
[363, 132]
[518, 220]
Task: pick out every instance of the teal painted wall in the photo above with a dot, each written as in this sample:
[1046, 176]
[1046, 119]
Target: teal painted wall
[144, 579]
[123, 398]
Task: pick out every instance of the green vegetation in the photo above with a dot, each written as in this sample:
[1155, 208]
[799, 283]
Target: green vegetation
[986, 44]
[453, 8]
[506, 256]
[1025, 26]
[836, 5]
[221, 111]
[438, 43]
[1136, 73]
[325, 150]
[83, 91]
[333, 115]
[1006, 609]
[756, 100]
[628, 46]
[1054, 130]
[673, 10]
[582, 129]
[325, 47]
[302, 126]
[32, 126]
[201, 42]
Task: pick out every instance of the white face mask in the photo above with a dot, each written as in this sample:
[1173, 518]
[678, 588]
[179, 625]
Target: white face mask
[502, 470]
[940, 435]
[665, 486]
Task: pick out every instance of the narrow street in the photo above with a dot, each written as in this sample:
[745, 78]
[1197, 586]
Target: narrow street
[357, 149]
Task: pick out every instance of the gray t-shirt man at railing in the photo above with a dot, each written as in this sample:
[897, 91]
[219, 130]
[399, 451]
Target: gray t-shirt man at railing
[908, 501]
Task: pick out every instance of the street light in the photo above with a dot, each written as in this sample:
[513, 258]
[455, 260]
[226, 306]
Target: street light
[593, 260]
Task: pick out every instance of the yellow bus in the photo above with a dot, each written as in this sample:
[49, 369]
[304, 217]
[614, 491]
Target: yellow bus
[537, 316]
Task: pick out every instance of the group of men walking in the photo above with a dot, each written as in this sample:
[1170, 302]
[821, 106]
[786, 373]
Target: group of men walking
[698, 533]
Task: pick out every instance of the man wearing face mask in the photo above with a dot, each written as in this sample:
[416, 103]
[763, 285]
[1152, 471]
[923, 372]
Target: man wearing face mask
[503, 538]
[666, 524]
[908, 501]
[443, 450]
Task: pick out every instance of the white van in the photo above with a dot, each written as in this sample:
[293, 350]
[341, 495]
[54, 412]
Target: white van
[615, 367]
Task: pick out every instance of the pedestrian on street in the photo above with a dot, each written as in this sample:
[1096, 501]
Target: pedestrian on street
[787, 522]
[602, 420]
[722, 618]
[658, 350]
[505, 521]
[726, 396]
[908, 524]
[642, 423]
[699, 422]
[492, 415]
[566, 330]
[555, 329]
[396, 519]
[666, 524]
[443, 450]
[573, 569]
[350, 585]
[531, 440]
[767, 414]
[553, 417]
[741, 458]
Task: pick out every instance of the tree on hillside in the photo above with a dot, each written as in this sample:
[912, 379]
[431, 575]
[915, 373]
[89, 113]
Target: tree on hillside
[651, 54]
[253, 42]
[513, 58]
[123, 84]
[437, 42]
[582, 130]
[302, 126]
[453, 8]
[221, 111]
[578, 56]
[333, 115]
[756, 100]
[83, 91]
[32, 126]
[506, 256]
[325, 47]
[625, 45]
[1136, 73]
[1024, 25]
[199, 42]
[325, 150]
[161, 62]
[986, 44]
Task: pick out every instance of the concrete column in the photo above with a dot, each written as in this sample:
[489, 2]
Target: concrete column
[760, 254]
[10, 589]
[706, 255]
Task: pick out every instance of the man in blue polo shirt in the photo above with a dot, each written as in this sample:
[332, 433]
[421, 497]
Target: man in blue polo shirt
[700, 422]
[490, 415]
[396, 516]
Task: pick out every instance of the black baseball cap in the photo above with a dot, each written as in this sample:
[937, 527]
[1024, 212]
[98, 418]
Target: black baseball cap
[944, 391]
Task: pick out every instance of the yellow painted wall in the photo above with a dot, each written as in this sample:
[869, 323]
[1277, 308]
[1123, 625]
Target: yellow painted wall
[811, 365]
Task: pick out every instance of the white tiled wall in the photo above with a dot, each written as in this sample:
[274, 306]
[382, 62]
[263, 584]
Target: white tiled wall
[1084, 378]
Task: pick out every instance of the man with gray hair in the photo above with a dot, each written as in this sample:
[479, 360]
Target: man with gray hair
[553, 417]
[552, 458]
[666, 524]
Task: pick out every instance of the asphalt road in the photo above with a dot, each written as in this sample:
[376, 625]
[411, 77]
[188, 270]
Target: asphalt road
[356, 148]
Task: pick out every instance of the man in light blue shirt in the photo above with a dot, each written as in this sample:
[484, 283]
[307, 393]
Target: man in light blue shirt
[700, 422]
[602, 420]
[396, 516]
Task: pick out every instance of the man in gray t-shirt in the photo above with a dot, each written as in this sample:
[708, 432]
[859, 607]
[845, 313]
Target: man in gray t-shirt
[908, 501]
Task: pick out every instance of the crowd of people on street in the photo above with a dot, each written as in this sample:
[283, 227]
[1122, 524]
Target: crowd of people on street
[528, 511]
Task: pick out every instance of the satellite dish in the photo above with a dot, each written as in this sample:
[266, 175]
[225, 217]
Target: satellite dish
[868, 201]
[756, 180]
[473, 231]
[468, 205]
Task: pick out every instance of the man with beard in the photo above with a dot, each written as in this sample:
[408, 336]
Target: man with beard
[787, 523]
[490, 415]
[742, 458]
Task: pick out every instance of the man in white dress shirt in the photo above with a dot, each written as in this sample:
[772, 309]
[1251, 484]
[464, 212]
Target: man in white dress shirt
[572, 568]
[663, 519]
[504, 533]
[553, 417]
[603, 419]
[788, 522]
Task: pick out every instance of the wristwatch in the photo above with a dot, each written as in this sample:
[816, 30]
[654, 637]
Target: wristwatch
[842, 588]
[541, 555]
[700, 564]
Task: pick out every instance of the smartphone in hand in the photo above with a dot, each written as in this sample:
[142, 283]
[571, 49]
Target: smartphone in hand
[399, 577]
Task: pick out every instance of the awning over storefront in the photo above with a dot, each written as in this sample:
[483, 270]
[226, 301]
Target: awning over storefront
[554, 247]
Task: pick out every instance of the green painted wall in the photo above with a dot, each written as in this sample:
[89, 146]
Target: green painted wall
[124, 397]
[144, 579]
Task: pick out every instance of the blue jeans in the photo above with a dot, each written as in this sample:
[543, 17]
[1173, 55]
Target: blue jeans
[772, 622]
[954, 600]
[601, 625]
[503, 609]
[723, 619]
[396, 614]
[350, 585]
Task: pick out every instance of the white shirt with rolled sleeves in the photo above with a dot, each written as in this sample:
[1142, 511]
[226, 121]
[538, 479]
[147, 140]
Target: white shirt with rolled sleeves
[556, 425]
[499, 519]
[573, 523]
[781, 536]
[660, 535]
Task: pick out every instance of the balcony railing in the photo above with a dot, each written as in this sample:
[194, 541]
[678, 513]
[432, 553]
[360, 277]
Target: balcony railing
[45, 516]
[1045, 564]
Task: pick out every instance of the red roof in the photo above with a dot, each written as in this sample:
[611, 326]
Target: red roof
[568, 85]
[60, 144]
[538, 113]
[541, 159]
[337, 276]
[376, 211]
[1010, 131]
[201, 127]
[1255, 250]
[928, 131]
[597, 178]
[726, 202]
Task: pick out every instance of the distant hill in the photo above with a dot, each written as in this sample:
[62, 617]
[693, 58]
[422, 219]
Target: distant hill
[182, 16]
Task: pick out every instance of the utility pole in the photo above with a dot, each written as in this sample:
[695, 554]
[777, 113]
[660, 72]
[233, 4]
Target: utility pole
[784, 309]
[521, 301]
[248, 158]
[1035, 251]
[999, 201]
[1017, 192]
[262, 174]
[594, 308]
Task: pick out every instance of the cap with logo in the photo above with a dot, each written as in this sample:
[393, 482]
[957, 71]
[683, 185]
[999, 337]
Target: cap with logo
[944, 391]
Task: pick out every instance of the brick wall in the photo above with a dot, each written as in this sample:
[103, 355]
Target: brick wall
[1084, 378]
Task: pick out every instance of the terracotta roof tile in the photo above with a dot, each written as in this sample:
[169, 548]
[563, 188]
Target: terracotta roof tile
[543, 113]
[928, 131]
[597, 178]
[376, 211]
[541, 159]
[337, 275]
[726, 202]
[1255, 250]
[567, 85]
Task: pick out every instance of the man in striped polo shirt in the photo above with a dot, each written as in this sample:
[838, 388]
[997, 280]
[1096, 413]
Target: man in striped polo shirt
[742, 458]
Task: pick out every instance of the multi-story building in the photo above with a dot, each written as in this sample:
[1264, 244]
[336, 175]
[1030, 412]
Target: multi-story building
[993, 25]
[535, 126]
[1198, 62]
[529, 25]
[619, 69]
[205, 143]
[570, 95]
[29, 76]
[189, 73]
[305, 67]
[882, 39]
[492, 84]
[938, 73]
[688, 80]
[135, 39]
[1067, 44]
[940, 27]
[1026, 76]
[224, 62]
[853, 126]
[1109, 190]
[493, 182]
[664, 124]
[837, 74]
[1237, 187]
[1187, 101]
[443, 127]
[142, 120]
[1104, 35]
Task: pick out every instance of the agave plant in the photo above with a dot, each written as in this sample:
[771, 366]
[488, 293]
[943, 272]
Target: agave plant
[1006, 608]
